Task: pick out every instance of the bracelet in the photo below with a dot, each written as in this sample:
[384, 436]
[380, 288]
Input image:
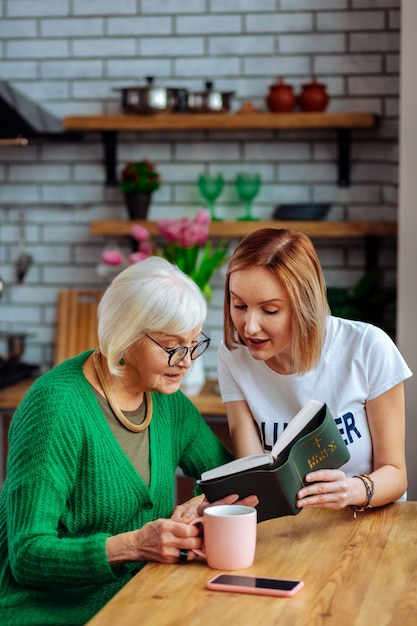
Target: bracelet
[370, 489]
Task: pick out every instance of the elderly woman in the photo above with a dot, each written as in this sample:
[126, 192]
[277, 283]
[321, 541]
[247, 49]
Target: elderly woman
[94, 446]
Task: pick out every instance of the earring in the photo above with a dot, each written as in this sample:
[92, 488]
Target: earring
[121, 362]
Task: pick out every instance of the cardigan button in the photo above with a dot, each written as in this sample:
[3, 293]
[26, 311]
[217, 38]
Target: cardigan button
[148, 506]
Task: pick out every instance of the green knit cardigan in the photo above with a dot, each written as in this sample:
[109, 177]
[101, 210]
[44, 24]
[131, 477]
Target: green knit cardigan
[69, 486]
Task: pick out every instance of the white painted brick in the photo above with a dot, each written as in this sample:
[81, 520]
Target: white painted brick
[73, 276]
[84, 173]
[277, 66]
[12, 29]
[71, 69]
[38, 90]
[207, 67]
[37, 8]
[321, 43]
[393, 63]
[36, 48]
[354, 193]
[72, 27]
[208, 24]
[157, 152]
[356, 105]
[381, 42]
[378, 212]
[351, 20]
[390, 194]
[276, 151]
[375, 4]
[136, 68]
[313, 5]
[173, 7]
[212, 152]
[394, 19]
[373, 151]
[392, 107]
[38, 172]
[139, 26]
[17, 194]
[308, 172]
[71, 152]
[104, 47]
[171, 46]
[381, 172]
[44, 253]
[66, 233]
[348, 64]
[381, 85]
[279, 23]
[12, 70]
[241, 44]
[231, 6]
[104, 7]
[70, 193]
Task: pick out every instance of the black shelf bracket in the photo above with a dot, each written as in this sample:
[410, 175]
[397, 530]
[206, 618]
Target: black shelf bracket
[371, 253]
[343, 157]
[109, 138]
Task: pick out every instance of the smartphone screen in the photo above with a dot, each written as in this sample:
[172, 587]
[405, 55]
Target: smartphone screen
[254, 584]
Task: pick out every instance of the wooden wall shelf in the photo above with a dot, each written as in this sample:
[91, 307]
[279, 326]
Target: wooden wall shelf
[370, 231]
[217, 121]
[110, 125]
[231, 229]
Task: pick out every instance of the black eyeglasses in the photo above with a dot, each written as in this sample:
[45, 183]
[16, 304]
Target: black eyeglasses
[176, 355]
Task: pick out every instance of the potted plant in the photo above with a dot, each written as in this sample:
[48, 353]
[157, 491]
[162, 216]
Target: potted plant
[139, 179]
[367, 301]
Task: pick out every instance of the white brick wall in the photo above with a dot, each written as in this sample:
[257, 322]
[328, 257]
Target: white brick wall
[70, 55]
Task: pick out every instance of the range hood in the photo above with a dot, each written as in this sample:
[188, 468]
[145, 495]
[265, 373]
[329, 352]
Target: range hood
[22, 119]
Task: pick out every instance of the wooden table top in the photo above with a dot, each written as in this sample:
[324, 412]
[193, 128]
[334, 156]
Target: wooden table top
[356, 573]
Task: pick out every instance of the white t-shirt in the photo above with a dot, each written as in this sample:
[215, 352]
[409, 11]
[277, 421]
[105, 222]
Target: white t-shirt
[359, 362]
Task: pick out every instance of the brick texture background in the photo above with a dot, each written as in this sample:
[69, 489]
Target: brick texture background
[70, 55]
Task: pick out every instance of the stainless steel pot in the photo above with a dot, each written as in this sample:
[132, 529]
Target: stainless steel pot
[12, 345]
[152, 99]
[209, 101]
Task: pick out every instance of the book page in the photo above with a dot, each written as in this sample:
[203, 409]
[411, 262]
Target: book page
[238, 465]
[296, 425]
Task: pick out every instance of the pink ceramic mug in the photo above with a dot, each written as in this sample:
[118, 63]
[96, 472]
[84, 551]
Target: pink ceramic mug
[229, 536]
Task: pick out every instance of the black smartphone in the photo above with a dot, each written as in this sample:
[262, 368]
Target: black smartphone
[281, 587]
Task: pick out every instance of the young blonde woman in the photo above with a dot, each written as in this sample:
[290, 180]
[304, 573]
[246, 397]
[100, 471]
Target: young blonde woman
[282, 347]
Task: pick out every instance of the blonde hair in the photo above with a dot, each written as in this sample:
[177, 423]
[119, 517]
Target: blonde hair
[149, 296]
[291, 258]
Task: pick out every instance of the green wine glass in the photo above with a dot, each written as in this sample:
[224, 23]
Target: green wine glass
[211, 186]
[247, 187]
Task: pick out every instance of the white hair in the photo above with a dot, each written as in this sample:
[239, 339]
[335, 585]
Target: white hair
[149, 296]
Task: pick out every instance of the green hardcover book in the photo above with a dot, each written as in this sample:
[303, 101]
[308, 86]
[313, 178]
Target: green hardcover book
[311, 441]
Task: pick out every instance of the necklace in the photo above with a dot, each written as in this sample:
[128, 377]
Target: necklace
[135, 428]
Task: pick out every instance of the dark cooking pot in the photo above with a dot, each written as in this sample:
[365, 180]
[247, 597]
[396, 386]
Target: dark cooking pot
[152, 99]
[12, 345]
[209, 101]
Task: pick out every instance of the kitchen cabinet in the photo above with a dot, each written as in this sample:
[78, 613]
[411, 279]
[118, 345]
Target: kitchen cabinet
[110, 125]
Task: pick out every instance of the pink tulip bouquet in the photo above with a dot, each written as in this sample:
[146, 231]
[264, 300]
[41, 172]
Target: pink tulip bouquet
[186, 245]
